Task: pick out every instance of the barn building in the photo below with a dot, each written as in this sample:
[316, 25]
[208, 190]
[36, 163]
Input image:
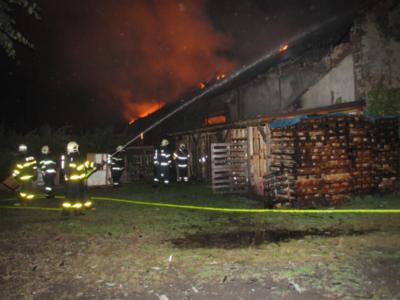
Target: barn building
[292, 126]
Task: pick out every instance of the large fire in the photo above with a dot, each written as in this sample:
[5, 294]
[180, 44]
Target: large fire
[135, 111]
[148, 50]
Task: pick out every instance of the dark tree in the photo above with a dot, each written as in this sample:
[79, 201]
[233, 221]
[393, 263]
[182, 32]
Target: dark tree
[9, 34]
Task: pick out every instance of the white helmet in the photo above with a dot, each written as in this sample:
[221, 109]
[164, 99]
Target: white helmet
[119, 148]
[72, 147]
[164, 143]
[22, 148]
[182, 146]
[45, 149]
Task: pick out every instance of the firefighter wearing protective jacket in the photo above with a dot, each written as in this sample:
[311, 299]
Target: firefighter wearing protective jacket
[77, 170]
[181, 157]
[162, 163]
[117, 164]
[48, 169]
[24, 173]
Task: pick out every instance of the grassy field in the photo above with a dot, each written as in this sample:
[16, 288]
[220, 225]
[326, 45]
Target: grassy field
[123, 250]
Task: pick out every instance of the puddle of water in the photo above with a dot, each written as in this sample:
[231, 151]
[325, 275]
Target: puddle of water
[240, 239]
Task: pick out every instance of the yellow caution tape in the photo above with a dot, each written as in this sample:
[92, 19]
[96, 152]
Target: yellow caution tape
[252, 210]
[31, 207]
[227, 210]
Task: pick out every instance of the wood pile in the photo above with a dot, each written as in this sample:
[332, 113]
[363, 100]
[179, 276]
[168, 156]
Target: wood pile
[326, 160]
[283, 164]
[361, 152]
[386, 154]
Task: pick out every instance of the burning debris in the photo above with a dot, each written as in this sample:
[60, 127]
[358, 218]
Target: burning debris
[283, 48]
[220, 76]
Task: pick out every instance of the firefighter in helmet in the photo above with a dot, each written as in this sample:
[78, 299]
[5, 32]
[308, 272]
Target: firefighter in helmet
[181, 157]
[117, 164]
[77, 170]
[24, 173]
[48, 169]
[162, 163]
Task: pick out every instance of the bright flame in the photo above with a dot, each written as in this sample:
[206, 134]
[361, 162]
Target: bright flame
[134, 111]
[201, 85]
[220, 76]
[283, 48]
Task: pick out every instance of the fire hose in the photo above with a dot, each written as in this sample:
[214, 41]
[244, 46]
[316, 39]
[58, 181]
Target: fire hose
[218, 209]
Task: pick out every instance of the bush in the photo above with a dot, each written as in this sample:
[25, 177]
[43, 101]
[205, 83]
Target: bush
[384, 101]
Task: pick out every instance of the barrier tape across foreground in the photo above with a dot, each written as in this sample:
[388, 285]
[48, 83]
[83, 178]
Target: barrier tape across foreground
[218, 209]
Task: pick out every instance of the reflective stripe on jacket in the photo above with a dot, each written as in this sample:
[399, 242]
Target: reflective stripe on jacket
[77, 169]
[25, 168]
[162, 157]
[182, 158]
[47, 165]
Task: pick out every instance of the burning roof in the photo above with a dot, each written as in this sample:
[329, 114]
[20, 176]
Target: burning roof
[318, 38]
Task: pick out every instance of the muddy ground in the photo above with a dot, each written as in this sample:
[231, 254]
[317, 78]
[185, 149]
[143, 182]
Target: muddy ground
[123, 251]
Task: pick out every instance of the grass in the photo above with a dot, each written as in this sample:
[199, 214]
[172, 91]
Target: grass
[132, 244]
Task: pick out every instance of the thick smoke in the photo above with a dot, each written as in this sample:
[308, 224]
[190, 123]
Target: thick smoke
[137, 55]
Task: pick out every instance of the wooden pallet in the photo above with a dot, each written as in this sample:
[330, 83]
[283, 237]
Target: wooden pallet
[229, 167]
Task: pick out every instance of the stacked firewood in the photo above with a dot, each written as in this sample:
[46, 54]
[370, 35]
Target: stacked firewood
[283, 164]
[386, 154]
[336, 163]
[326, 160]
[311, 147]
[362, 155]
[325, 173]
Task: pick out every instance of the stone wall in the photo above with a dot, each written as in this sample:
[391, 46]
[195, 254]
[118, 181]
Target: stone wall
[337, 86]
[377, 58]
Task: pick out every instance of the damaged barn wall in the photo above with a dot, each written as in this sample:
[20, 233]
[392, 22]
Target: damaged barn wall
[271, 92]
[318, 76]
[378, 57]
[345, 74]
[337, 86]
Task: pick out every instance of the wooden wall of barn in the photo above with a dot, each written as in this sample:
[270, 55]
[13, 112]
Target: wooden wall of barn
[258, 145]
[317, 161]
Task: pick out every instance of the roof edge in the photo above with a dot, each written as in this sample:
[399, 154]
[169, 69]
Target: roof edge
[354, 106]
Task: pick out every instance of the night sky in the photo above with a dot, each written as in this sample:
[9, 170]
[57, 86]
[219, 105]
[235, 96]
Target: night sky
[98, 63]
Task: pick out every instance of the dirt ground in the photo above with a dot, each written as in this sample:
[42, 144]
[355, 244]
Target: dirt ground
[123, 251]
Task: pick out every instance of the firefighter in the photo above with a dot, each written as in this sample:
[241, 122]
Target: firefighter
[48, 169]
[181, 157]
[77, 170]
[25, 172]
[117, 164]
[162, 163]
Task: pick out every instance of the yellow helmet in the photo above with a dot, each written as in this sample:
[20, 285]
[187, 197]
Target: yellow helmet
[72, 147]
[22, 148]
[45, 149]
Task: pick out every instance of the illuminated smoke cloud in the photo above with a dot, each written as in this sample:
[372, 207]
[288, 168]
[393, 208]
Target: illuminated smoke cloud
[134, 53]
